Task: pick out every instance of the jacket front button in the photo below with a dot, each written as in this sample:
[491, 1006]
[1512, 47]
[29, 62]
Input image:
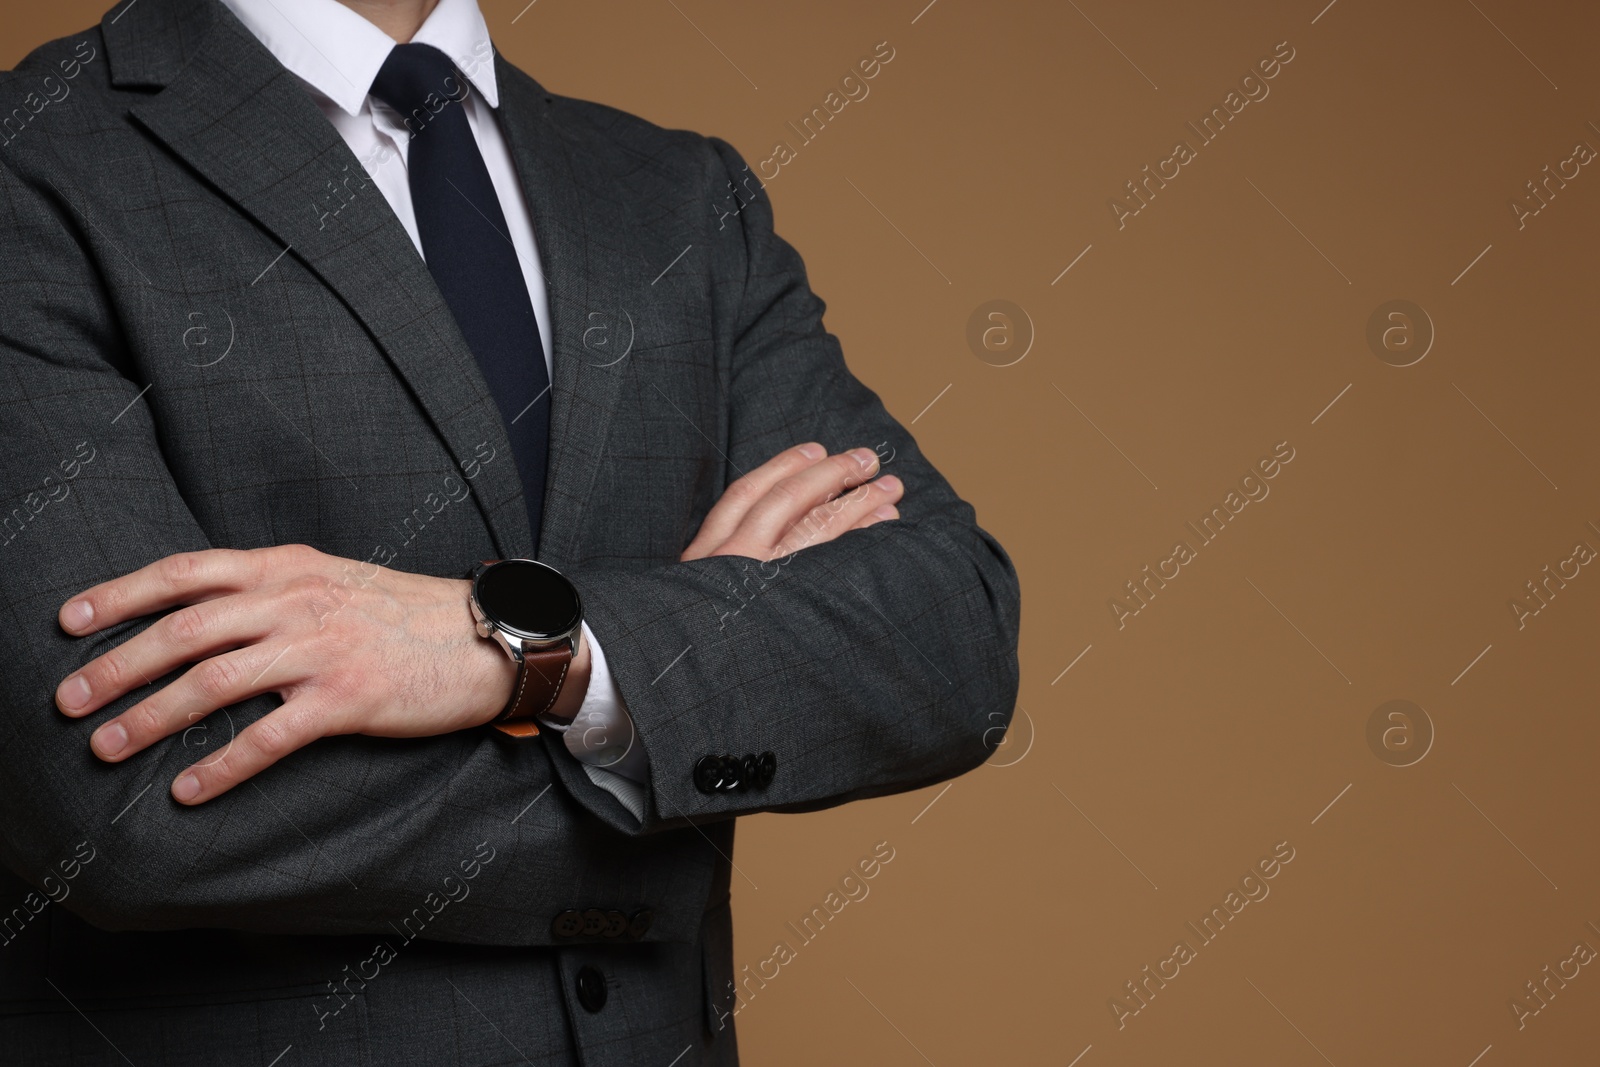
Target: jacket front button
[591, 989]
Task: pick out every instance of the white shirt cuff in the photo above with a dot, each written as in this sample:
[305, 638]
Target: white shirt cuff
[602, 737]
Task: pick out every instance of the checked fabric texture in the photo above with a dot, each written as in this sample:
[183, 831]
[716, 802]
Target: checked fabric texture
[248, 368]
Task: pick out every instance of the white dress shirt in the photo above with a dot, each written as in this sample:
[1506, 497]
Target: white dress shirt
[337, 53]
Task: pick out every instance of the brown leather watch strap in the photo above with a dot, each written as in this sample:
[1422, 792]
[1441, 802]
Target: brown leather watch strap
[551, 685]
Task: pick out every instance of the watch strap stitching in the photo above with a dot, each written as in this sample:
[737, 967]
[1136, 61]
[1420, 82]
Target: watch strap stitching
[555, 690]
[517, 694]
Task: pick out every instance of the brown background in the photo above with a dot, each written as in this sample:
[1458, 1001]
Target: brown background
[1228, 715]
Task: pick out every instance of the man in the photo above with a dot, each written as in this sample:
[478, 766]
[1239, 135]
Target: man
[310, 311]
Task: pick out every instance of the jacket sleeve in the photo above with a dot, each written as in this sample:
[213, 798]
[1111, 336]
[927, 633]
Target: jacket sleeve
[882, 661]
[459, 836]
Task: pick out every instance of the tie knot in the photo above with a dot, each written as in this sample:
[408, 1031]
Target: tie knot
[418, 81]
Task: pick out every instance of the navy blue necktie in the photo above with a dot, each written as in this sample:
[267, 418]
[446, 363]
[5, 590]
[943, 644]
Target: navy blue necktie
[467, 246]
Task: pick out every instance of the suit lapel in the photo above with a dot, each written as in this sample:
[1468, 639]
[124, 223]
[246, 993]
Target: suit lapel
[580, 234]
[232, 113]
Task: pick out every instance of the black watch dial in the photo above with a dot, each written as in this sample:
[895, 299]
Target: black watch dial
[528, 598]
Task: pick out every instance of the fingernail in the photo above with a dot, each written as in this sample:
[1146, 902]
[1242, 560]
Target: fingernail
[80, 615]
[110, 739]
[813, 451]
[886, 512]
[74, 692]
[186, 788]
[866, 457]
[888, 483]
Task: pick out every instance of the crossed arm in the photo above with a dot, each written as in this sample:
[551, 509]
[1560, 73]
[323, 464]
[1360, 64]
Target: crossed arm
[872, 664]
[393, 656]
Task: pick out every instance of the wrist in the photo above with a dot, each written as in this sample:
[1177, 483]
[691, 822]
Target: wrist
[491, 674]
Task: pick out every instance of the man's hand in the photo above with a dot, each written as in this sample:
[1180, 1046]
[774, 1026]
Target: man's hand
[356, 648]
[351, 647]
[799, 498]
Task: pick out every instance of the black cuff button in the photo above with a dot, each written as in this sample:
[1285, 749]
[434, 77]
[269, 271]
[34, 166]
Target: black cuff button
[708, 774]
[567, 925]
[766, 769]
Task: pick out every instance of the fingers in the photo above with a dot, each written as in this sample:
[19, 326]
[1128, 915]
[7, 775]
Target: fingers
[258, 746]
[209, 685]
[877, 515]
[726, 514]
[182, 637]
[178, 579]
[771, 517]
[857, 509]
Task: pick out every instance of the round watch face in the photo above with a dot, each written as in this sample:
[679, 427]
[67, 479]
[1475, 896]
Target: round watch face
[528, 598]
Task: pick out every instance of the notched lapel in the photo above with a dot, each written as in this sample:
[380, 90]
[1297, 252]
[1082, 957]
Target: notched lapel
[249, 127]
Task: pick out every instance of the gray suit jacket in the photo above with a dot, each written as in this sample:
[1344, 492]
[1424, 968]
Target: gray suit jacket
[215, 332]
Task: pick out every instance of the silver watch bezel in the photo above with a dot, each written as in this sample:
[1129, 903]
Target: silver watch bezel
[513, 640]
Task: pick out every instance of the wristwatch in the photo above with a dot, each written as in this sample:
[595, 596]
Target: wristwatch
[534, 613]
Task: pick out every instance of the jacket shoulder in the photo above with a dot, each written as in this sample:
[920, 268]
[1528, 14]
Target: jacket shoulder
[65, 57]
[626, 144]
[63, 86]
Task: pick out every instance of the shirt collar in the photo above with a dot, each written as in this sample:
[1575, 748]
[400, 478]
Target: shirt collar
[338, 53]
